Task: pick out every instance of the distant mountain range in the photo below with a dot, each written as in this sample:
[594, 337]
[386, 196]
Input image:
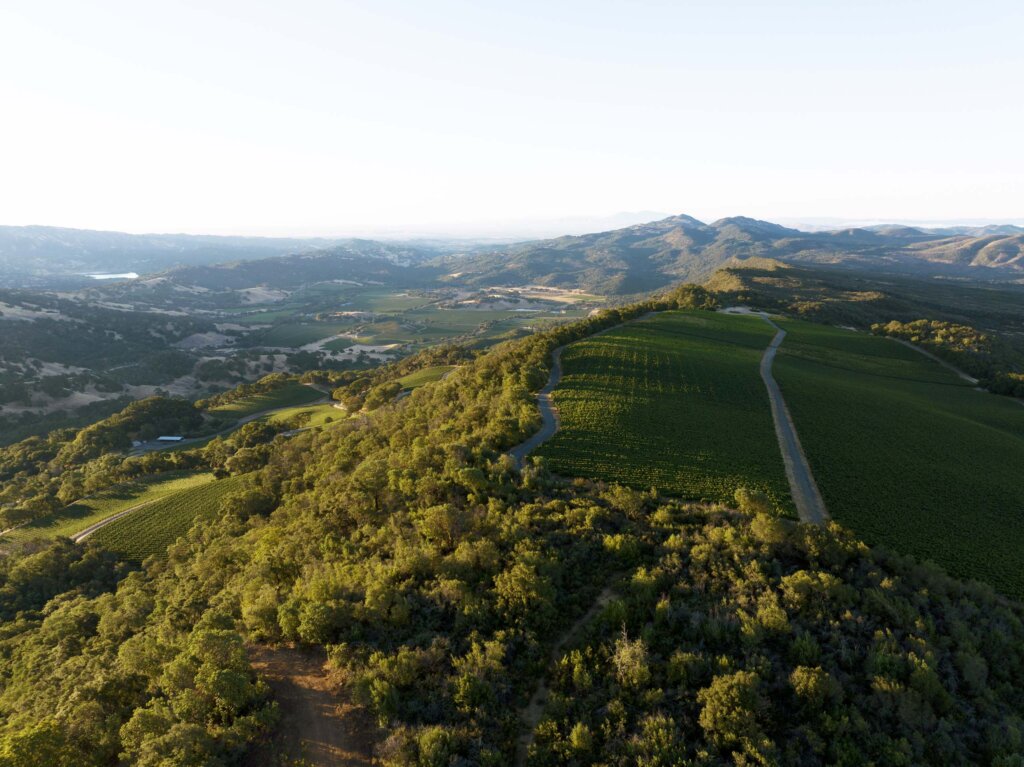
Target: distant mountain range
[53, 256]
[630, 260]
[648, 256]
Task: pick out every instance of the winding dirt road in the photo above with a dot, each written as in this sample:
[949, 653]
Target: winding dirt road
[548, 412]
[809, 504]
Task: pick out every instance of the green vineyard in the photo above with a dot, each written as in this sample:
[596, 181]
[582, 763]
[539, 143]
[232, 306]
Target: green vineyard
[306, 416]
[425, 376]
[153, 528]
[81, 514]
[906, 453]
[674, 401]
[290, 395]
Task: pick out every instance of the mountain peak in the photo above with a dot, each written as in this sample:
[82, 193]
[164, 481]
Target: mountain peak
[753, 226]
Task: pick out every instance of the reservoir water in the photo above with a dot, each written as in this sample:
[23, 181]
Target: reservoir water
[118, 276]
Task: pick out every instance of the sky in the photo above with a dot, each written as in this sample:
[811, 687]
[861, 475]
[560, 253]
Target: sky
[319, 117]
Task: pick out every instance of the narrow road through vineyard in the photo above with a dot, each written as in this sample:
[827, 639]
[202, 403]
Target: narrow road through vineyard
[809, 504]
[548, 410]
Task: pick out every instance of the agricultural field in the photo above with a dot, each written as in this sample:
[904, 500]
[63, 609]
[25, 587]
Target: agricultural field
[313, 415]
[384, 301]
[432, 325]
[425, 376]
[261, 317]
[289, 395]
[907, 454]
[413, 318]
[153, 528]
[674, 401]
[294, 335]
[78, 516]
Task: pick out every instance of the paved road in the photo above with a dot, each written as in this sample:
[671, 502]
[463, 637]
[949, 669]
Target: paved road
[803, 488]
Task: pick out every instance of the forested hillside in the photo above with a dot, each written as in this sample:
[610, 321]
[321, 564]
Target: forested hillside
[439, 578]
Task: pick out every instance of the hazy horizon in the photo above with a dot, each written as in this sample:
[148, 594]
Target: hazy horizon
[358, 118]
[541, 228]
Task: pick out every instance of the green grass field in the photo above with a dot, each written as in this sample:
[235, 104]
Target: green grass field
[313, 415]
[450, 323]
[425, 376]
[674, 402]
[432, 325]
[289, 395]
[907, 454]
[153, 528]
[79, 516]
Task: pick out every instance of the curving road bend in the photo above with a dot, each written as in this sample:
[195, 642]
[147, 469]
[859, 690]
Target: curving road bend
[548, 412]
[809, 504]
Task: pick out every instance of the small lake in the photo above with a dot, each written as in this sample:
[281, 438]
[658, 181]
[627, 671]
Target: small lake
[118, 276]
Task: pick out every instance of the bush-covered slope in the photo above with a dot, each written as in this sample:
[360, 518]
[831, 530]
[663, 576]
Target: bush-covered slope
[744, 641]
[439, 577]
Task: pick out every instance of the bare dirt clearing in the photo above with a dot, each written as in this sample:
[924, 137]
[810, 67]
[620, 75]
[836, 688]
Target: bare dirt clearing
[318, 721]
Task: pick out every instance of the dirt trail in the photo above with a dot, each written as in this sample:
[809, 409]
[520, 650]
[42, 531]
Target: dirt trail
[83, 534]
[318, 722]
[531, 714]
[953, 368]
[548, 412]
[948, 366]
[809, 504]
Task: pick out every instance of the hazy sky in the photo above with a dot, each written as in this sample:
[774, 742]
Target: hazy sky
[335, 117]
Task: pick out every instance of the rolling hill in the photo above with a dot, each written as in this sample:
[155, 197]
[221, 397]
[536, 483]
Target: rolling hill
[625, 261]
[654, 255]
